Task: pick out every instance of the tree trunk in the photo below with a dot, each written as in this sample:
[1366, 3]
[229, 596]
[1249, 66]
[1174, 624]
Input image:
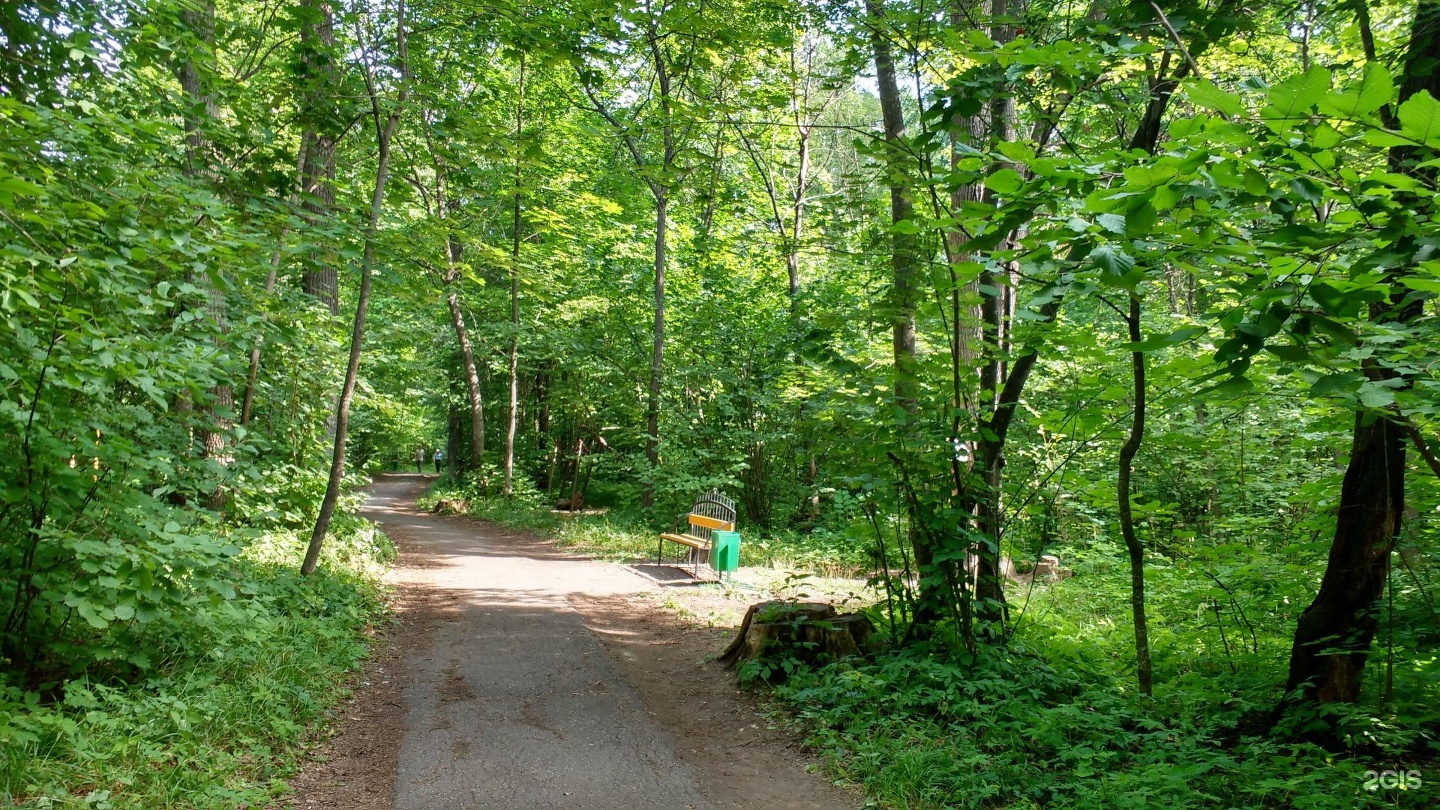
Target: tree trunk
[1127, 519]
[904, 253]
[384, 131]
[472, 381]
[903, 291]
[1334, 634]
[444, 209]
[576, 498]
[318, 117]
[657, 358]
[509, 460]
[199, 21]
[797, 211]
[247, 409]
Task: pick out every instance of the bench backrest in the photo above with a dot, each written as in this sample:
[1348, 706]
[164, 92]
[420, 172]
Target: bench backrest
[711, 512]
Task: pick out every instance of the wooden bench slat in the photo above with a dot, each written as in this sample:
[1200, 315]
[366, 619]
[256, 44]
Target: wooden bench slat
[711, 522]
[708, 513]
[687, 540]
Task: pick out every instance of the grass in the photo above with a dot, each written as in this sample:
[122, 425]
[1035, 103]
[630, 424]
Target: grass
[219, 722]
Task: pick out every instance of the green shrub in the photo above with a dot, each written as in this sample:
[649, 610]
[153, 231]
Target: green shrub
[1011, 729]
[230, 691]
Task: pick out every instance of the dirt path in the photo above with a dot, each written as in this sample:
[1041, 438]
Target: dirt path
[519, 676]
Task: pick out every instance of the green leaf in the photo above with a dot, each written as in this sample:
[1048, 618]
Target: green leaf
[1294, 97]
[1113, 223]
[1004, 182]
[1335, 383]
[1233, 387]
[1420, 118]
[1255, 183]
[1112, 261]
[1373, 91]
[1204, 93]
[1290, 354]
[20, 188]
[1141, 220]
[1429, 285]
[1156, 342]
[1376, 396]
[91, 616]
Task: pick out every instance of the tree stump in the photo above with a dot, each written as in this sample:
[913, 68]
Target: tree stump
[452, 506]
[809, 632]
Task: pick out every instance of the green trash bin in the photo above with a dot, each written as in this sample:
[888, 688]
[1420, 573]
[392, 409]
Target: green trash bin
[724, 551]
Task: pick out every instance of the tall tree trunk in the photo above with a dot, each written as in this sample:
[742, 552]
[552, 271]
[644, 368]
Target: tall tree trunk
[199, 21]
[797, 216]
[445, 208]
[1334, 634]
[384, 131]
[904, 261]
[804, 127]
[247, 409]
[318, 139]
[659, 185]
[509, 461]
[904, 255]
[1127, 518]
[994, 327]
[472, 379]
[657, 357]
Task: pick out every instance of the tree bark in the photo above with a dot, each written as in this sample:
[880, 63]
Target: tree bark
[472, 378]
[1127, 519]
[384, 131]
[1335, 632]
[509, 460]
[904, 253]
[657, 357]
[318, 140]
[903, 296]
[996, 309]
[797, 216]
[199, 21]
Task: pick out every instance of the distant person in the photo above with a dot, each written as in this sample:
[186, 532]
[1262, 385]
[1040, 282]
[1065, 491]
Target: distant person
[439, 458]
[420, 460]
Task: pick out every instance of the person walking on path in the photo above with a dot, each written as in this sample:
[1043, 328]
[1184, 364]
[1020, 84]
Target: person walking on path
[420, 460]
[438, 458]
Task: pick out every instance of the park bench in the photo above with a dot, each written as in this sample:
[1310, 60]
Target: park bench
[695, 530]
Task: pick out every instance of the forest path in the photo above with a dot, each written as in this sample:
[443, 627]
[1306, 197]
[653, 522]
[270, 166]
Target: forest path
[524, 677]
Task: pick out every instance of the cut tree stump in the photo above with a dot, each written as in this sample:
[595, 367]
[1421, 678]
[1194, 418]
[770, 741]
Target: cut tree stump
[451, 506]
[811, 632]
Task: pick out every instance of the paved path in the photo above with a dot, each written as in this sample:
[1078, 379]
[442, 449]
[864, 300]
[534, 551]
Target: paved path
[513, 703]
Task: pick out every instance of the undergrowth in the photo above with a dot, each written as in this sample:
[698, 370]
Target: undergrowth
[1054, 720]
[1010, 731]
[231, 698]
